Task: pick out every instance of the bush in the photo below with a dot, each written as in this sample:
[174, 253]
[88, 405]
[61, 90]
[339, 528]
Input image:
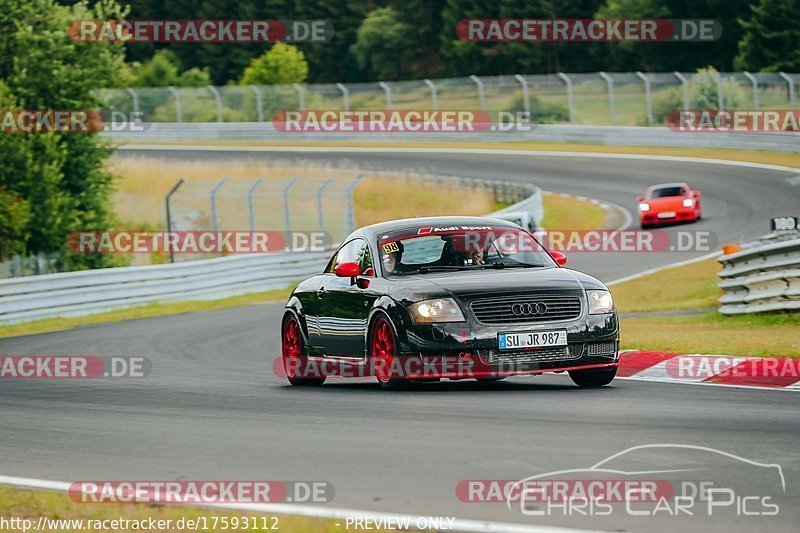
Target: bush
[703, 95]
[283, 63]
[541, 112]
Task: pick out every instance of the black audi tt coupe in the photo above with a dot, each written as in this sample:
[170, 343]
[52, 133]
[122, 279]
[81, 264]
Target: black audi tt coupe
[448, 297]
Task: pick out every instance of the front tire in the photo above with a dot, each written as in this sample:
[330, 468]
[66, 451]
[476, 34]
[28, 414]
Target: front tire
[294, 362]
[593, 378]
[383, 354]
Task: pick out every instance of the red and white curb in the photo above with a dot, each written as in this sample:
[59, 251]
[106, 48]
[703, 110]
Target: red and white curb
[777, 373]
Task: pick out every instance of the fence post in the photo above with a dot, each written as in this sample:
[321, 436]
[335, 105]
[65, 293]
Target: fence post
[388, 92]
[287, 219]
[754, 82]
[525, 96]
[790, 82]
[250, 210]
[345, 96]
[320, 192]
[301, 96]
[479, 83]
[216, 188]
[720, 94]
[570, 97]
[685, 84]
[135, 97]
[350, 212]
[610, 83]
[217, 101]
[259, 102]
[177, 96]
[168, 201]
[434, 94]
[648, 96]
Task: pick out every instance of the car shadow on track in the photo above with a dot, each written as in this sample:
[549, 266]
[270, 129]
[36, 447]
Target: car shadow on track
[447, 386]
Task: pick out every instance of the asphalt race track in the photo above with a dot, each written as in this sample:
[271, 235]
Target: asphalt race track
[213, 409]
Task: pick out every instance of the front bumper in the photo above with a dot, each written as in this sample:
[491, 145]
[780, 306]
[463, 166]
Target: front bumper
[470, 349]
[652, 218]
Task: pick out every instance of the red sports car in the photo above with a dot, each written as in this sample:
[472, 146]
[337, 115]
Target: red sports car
[669, 202]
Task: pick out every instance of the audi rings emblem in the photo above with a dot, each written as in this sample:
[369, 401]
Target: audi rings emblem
[529, 309]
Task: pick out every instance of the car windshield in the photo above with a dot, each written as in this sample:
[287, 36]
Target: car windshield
[664, 192]
[424, 250]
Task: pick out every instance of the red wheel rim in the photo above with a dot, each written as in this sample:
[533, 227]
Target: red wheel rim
[292, 347]
[383, 350]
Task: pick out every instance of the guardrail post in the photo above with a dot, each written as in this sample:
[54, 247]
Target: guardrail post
[259, 102]
[479, 83]
[168, 201]
[135, 98]
[217, 101]
[754, 82]
[301, 96]
[610, 83]
[177, 96]
[525, 95]
[216, 188]
[570, 97]
[345, 96]
[648, 97]
[685, 84]
[349, 224]
[434, 94]
[250, 210]
[320, 192]
[287, 219]
[790, 83]
[388, 92]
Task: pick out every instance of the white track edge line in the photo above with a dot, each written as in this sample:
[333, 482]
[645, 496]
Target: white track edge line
[314, 511]
[665, 267]
[708, 384]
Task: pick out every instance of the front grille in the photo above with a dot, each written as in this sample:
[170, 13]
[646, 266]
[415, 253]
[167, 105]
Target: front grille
[601, 348]
[497, 358]
[526, 309]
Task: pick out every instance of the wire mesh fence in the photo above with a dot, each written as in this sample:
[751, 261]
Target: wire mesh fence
[596, 98]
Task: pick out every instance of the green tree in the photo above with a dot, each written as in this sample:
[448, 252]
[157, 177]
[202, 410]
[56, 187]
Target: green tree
[381, 47]
[61, 177]
[771, 39]
[283, 63]
[163, 70]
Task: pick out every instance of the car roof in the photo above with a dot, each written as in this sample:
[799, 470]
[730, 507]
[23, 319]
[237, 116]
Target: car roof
[393, 225]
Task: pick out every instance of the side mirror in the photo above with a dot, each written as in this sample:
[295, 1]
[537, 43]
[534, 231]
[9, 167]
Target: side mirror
[560, 258]
[347, 270]
[640, 198]
[696, 194]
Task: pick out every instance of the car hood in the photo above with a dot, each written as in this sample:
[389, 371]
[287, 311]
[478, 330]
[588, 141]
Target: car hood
[668, 203]
[422, 286]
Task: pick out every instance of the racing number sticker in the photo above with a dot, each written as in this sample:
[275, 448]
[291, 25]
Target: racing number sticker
[391, 247]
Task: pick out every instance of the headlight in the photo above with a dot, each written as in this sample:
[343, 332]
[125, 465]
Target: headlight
[600, 302]
[688, 202]
[438, 310]
[644, 207]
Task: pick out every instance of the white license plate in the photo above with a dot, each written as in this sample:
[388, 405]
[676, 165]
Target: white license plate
[667, 214]
[532, 339]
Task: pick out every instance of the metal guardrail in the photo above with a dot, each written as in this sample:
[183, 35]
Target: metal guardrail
[764, 276]
[94, 291]
[609, 135]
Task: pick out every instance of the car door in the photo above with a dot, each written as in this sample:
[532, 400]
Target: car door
[344, 306]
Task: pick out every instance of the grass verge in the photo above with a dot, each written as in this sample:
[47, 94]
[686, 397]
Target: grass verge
[146, 311]
[693, 288]
[32, 504]
[571, 213]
